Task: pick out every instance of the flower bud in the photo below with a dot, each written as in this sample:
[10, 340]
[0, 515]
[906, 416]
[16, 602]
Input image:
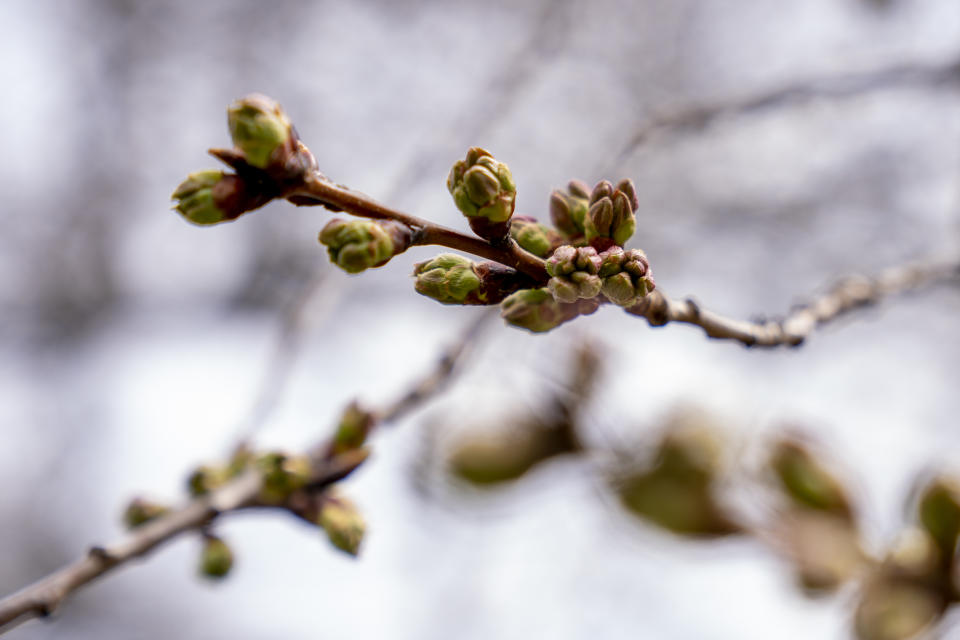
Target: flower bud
[355, 425]
[141, 511]
[484, 191]
[216, 559]
[261, 130]
[211, 196]
[282, 475]
[537, 310]
[611, 218]
[574, 273]
[626, 275]
[453, 279]
[356, 245]
[534, 237]
[568, 210]
[342, 522]
[939, 513]
[806, 482]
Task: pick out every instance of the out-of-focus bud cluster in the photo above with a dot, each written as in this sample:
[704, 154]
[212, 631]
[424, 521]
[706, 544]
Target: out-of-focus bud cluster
[352, 430]
[342, 522]
[356, 245]
[141, 511]
[216, 558]
[573, 273]
[678, 491]
[626, 275]
[453, 279]
[532, 236]
[484, 191]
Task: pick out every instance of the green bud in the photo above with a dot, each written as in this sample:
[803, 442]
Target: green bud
[482, 187]
[567, 259]
[356, 245]
[282, 475]
[537, 310]
[141, 511]
[532, 236]
[260, 129]
[216, 559]
[448, 278]
[626, 275]
[355, 425]
[210, 196]
[612, 214]
[806, 482]
[939, 513]
[342, 523]
[568, 210]
[205, 479]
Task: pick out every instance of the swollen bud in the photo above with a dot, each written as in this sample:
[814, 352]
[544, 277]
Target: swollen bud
[282, 475]
[611, 219]
[806, 482]
[568, 209]
[533, 236]
[216, 559]
[211, 196]
[141, 511]
[626, 275]
[484, 191]
[939, 513]
[573, 272]
[356, 245]
[342, 522]
[355, 424]
[538, 311]
[261, 130]
[205, 479]
[453, 279]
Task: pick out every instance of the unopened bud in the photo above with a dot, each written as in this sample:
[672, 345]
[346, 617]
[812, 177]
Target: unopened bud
[342, 522]
[453, 279]
[483, 190]
[216, 559]
[611, 218]
[205, 479]
[534, 237]
[141, 511]
[568, 209]
[806, 482]
[211, 196]
[537, 310]
[626, 275]
[356, 245]
[282, 475]
[355, 425]
[260, 129]
[939, 513]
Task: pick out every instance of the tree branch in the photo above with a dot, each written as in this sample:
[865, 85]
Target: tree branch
[848, 295]
[42, 598]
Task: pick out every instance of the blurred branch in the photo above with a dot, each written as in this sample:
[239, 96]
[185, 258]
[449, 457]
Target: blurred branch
[848, 295]
[843, 86]
[327, 466]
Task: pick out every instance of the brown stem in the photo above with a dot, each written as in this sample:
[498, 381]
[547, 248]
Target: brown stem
[317, 190]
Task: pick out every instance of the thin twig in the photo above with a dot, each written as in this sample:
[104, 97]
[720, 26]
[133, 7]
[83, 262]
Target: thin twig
[843, 86]
[849, 294]
[42, 598]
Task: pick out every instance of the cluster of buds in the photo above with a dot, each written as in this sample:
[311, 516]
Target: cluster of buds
[574, 273]
[357, 245]
[453, 279]
[626, 275]
[532, 236]
[484, 191]
[603, 217]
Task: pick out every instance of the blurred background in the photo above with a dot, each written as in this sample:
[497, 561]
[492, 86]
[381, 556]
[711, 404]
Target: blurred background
[135, 346]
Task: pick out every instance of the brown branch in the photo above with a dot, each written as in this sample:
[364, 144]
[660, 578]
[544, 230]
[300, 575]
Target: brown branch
[42, 598]
[316, 189]
[846, 296]
[844, 86]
